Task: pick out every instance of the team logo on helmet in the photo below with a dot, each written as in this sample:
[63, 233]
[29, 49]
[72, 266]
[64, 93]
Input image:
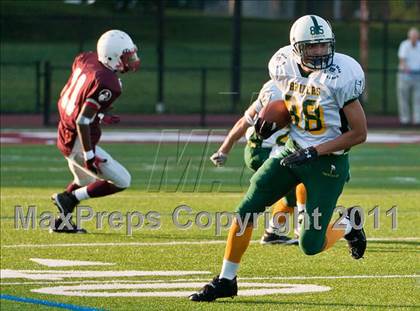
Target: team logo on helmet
[105, 95]
[316, 29]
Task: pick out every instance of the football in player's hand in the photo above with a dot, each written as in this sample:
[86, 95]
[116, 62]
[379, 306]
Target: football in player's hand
[276, 111]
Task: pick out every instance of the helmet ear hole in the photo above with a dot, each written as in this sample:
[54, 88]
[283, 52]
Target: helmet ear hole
[109, 58]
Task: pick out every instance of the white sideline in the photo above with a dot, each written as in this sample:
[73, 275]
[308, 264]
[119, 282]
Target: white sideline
[167, 243]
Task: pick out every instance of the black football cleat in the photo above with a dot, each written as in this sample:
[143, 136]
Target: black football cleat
[273, 238]
[356, 238]
[217, 288]
[69, 227]
[66, 202]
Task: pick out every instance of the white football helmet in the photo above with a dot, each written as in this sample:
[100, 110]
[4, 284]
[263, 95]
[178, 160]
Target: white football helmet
[117, 51]
[312, 29]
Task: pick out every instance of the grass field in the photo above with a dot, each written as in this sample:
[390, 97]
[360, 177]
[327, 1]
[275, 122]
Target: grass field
[382, 175]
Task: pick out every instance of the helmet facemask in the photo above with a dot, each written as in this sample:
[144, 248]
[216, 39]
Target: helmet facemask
[315, 62]
[129, 61]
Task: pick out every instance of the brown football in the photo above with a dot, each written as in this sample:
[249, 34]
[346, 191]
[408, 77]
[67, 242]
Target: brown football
[276, 111]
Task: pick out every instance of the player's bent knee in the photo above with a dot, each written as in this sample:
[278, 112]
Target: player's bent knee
[124, 182]
[251, 205]
[311, 246]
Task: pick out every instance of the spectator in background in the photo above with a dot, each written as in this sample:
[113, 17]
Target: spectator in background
[409, 78]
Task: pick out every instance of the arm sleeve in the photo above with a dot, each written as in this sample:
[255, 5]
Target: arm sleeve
[352, 87]
[268, 93]
[274, 68]
[101, 96]
[277, 70]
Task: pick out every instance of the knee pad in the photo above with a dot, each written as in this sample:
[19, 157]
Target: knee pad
[123, 181]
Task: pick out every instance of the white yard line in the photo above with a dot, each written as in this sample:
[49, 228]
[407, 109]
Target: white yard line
[173, 243]
[68, 263]
[326, 277]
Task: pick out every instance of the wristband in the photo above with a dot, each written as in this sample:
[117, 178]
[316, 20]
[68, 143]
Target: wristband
[88, 155]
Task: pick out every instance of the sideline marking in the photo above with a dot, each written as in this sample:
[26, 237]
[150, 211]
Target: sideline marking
[47, 303]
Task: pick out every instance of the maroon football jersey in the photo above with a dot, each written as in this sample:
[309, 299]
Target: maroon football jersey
[90, 83]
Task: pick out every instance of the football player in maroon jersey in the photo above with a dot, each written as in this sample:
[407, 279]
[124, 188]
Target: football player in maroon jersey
[86, 98]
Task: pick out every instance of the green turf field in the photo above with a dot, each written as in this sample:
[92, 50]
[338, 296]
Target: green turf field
[383, 175]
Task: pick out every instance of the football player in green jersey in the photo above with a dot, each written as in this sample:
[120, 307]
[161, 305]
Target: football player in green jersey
[321, 90]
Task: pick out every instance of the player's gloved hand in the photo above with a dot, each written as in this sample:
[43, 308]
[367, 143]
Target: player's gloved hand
[109, 119]
[219, 158]
[300, 157]
[94, 163]
[265, 129]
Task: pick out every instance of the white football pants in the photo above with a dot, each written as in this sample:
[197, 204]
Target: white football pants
[111, 170]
